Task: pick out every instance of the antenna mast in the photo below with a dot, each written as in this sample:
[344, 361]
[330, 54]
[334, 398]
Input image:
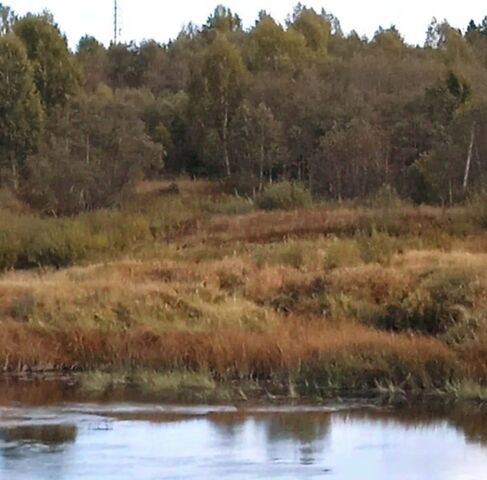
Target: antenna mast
[115, 22]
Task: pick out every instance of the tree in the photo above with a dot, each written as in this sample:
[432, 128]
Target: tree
[92, 58]
[55, 73]
[123, 65]
[256, 139]
[95, 149]
[271, 47]
[223, 20]
[315, 28]
[20, 109]
[351, 161]
[389, 40]
[7, 19]
[217, 92]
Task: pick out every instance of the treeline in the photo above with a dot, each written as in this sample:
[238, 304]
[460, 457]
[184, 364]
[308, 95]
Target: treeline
[303, 102]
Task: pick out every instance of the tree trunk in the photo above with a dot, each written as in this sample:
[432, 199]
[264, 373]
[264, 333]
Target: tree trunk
[261, 166]
[88, 149]
[226, 159]
[15, 174]
[469, 159]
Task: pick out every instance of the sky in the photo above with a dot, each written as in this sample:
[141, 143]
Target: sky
[162, 19]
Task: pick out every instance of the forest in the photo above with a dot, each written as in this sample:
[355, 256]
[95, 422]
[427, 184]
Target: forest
[342, 115]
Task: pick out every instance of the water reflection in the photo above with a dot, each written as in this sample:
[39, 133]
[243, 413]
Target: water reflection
[47, 435]
[107, 441]
[302, 436]
[469, 420]
[30, 450]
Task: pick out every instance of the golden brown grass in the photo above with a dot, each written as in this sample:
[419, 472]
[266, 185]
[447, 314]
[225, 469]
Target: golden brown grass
[342, 297]
[279, 225]
[212, 317]
[348, 356]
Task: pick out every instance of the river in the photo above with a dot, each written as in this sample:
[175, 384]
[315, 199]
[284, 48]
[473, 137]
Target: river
[59, 439]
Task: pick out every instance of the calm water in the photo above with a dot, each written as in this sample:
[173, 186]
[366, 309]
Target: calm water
[121, 441]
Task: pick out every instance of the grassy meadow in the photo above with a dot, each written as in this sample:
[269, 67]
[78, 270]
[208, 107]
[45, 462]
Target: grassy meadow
[185, 288]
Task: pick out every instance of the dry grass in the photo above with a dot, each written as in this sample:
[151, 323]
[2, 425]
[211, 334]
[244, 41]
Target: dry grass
[349, 298]
[279, 225]
[350, 356]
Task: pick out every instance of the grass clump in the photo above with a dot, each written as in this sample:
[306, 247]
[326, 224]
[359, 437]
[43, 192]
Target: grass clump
[283, 196]
[377, 247]
[442, 304]
[343, 252]
[31, 242]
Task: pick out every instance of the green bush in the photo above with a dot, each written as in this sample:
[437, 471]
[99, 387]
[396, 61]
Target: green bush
[378, 247]
[283, 196]
[32, 242]
[343, 252]
[441, 305]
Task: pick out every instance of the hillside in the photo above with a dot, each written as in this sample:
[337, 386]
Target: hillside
[202, 290]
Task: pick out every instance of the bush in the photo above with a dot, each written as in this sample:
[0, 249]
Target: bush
[439, 306]
[343, 252]
[32, 242]
[378, 247]
[283, 196]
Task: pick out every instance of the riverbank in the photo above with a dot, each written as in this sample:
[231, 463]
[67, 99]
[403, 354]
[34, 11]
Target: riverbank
[383, 297]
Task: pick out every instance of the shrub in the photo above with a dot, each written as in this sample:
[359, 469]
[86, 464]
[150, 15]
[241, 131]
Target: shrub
[31, 242]
[378, 247]
[343, 252]
[283, 196]
[439, 306]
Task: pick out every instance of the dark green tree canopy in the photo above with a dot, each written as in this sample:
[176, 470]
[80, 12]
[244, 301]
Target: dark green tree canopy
[55, 73]
[20, 109]
[294, 101]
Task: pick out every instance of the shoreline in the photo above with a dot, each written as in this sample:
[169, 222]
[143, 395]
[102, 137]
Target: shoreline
[191, 389]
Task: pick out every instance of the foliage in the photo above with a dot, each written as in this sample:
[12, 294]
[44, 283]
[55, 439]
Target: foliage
[92, 165]
[283, 196]
[299, 101]
[20, 110]
[54, 69]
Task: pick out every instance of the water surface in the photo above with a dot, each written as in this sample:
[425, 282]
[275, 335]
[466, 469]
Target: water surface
[69, 441]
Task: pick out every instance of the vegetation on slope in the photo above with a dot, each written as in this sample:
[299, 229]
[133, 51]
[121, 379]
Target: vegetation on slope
[317, 300]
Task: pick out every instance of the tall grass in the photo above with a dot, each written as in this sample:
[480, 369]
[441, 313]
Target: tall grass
[196, 286]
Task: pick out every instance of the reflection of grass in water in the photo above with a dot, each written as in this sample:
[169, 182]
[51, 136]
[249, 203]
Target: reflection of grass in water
[42, 434]
[171, 385]
[305, 427]
[469, 418]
